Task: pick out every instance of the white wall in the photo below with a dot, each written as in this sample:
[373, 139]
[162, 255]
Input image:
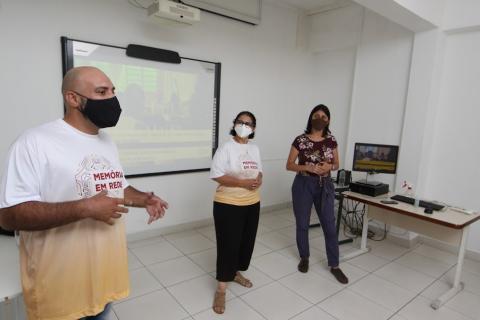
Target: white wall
[380, 86]
[336, 29]
[261, 71]
[400, 11]
[363, 68]
[363, 64]
[360, 70]
[430, 10]
[420, 110]
[461, 14]
[334, 38]
[454, 172]
[333, 81]
[440, 148]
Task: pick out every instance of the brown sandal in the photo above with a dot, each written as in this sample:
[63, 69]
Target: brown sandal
[241, 280]
[219, 302]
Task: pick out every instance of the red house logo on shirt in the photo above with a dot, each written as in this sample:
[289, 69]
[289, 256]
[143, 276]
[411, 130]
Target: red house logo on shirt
[95, 174]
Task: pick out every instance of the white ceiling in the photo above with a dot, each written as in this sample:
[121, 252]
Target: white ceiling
[309, 5]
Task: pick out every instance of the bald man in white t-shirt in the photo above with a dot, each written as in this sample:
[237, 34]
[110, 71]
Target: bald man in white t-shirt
[64, 189]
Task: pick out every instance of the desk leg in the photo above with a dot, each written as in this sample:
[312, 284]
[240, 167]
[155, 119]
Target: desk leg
[339, 220]
[339, 212]
[457, 285]
[363, 245]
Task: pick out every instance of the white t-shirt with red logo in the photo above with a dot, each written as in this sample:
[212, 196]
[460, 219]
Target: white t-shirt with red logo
[241, 161]
[70, 271]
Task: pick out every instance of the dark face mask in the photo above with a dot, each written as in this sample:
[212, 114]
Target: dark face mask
[319, 124]
[103, 113]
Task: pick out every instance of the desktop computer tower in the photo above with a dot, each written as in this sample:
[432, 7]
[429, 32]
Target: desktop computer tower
[372, 190]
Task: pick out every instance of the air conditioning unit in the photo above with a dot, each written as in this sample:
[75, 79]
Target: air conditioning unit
[173, 11]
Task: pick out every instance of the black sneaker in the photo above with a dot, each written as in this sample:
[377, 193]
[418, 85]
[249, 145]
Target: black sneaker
[303, 265]
[339, 275]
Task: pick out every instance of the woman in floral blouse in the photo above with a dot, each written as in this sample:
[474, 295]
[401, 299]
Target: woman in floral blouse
[317, 154]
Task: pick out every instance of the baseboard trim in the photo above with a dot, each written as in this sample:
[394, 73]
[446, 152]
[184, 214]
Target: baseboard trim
[141, 235]
[275, 207]
[397, 239]
[470, 254]
[401, 241]
[418, 238]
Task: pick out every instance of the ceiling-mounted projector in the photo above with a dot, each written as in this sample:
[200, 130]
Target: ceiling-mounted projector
[173, 11]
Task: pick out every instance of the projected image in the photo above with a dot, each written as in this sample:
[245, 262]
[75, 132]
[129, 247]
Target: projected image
[168, 110]
[375, 158]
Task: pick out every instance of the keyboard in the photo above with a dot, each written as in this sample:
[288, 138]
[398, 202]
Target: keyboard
[401, 198]
[422, 203]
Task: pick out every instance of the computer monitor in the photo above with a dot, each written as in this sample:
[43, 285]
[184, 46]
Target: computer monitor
[375, 158]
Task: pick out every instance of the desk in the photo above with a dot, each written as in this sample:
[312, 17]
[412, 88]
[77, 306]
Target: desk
[448, 226]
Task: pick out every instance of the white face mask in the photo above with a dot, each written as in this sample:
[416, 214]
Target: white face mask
[242, 130]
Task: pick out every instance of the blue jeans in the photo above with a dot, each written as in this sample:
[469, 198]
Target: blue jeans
[102, 315]
[307, 190]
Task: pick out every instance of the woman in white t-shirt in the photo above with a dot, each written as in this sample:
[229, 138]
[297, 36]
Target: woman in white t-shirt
[237, 168]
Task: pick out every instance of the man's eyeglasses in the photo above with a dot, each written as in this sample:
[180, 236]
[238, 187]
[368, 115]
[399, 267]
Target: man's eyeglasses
[248, 124]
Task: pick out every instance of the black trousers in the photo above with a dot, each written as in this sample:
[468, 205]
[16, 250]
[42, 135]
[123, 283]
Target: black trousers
[235, 229]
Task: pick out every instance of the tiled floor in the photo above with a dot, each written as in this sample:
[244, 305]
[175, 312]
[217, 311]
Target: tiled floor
[173, 277]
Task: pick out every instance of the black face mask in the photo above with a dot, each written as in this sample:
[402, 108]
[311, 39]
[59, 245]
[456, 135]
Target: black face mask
[103, 113]
[319, 124]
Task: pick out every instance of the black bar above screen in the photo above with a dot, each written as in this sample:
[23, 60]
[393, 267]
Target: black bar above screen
[154, 54]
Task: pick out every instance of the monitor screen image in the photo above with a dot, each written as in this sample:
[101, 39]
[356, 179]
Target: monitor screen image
[376, 158]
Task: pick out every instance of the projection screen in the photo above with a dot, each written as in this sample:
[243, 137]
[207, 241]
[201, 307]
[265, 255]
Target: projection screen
[169, 111]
